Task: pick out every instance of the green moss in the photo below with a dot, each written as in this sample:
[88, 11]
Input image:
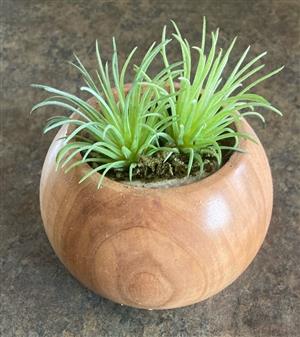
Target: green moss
[158, 167]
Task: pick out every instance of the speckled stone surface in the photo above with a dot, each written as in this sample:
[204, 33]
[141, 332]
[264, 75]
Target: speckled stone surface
[38, 296]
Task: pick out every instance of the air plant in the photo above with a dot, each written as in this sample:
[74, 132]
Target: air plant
[204, 107]
[173, 112]
[126, 125]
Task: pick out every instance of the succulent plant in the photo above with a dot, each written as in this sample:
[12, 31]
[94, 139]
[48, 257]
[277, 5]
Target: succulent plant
[174, 112]
[205, 107]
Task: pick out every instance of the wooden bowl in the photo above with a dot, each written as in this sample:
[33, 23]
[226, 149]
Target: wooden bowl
[158, 248]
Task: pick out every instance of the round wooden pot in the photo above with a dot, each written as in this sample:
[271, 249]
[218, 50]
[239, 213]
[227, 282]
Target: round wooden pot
[158, 248]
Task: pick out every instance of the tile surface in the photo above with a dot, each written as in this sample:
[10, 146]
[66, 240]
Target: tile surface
[38, 296]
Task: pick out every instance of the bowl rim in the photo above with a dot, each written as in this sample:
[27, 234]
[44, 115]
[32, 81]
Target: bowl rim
[233, 161]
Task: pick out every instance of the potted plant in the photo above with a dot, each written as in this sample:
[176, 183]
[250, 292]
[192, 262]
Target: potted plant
[184, 194]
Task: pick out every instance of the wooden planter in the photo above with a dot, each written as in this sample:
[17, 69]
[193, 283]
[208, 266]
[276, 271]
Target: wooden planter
[158, 248]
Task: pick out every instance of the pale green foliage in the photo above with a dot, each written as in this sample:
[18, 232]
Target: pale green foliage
[124, 128]
[174, 111]
[204, 106]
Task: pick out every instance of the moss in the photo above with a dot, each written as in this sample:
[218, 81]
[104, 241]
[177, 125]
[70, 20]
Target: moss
[158, 167]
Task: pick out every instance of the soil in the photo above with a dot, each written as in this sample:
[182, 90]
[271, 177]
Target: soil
[158, 172]
[157, 167]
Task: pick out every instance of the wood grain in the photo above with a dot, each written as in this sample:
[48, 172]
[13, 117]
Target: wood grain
[158, 248]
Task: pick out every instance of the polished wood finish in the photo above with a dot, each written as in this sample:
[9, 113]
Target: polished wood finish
[158, 248]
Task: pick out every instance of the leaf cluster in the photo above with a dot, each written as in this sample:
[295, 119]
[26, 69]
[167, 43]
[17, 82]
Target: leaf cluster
[174, 111]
